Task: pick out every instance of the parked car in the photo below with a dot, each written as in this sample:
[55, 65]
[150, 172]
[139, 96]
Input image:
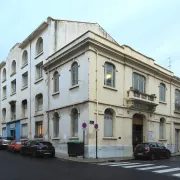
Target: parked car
[5, 141]
[37, 148]
[152, 151]
[15, 145]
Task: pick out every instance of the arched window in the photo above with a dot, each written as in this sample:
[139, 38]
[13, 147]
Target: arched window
[139, 82]
[4, 114]
[74, 119]
[109, 74]
[162, 129]
[24, 58]
[56, 81]
[177, 100]
[39, 46]
[13, 66]
[4, 74]
[162, 92]
[108, 123]
[74, 73]
[56, 125]
[39, 102]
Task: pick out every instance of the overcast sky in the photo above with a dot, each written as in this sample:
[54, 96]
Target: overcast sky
[151, 27]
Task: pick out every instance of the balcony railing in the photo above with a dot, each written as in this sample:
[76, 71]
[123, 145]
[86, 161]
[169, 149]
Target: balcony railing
[140, 100]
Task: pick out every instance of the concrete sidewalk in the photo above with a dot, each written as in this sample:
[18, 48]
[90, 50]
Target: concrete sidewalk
[65, 157]
[90, 160]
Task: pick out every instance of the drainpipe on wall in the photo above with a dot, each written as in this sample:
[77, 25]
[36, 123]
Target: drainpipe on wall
[171, 127]
[30, 91]
[48, 102]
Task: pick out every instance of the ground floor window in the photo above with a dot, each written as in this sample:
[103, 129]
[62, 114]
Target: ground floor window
[24, 131]
[39, 129]
[4, 131]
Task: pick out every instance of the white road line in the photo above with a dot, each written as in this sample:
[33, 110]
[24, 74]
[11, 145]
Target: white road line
[167, 170]
[177, 175]
[135, 166]
[109, 163]
[153, 167]
[124, 164]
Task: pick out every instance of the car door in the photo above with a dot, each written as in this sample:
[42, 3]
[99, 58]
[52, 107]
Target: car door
[162, 149]
[154, 149]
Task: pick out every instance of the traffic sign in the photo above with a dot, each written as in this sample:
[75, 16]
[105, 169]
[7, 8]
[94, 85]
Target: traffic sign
[91, 122]
[96, 126]
[84, 125]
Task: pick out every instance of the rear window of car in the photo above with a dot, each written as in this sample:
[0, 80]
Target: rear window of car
[18, 142]
[46, 143]
[142, 145]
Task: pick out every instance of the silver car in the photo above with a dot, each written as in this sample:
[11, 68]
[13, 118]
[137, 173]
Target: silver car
[5, 141]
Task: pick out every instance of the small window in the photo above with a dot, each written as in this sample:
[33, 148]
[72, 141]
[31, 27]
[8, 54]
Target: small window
[39, 102]
[74, 116]
[56, 125]
[13, 67]
[24, 58]
[13, 111]
[74, 73]
[162, 128]
[109, 74]
[25, 79]
[39, 71]
[162, 92]
[24, 108]
[24, 130]
[39, 129]
[108, 123]
[4, 114]
[4, 131]
[139, 82]
[39, 46]
[4, 74]
[13, 86]
[4, 92]
[56, 81]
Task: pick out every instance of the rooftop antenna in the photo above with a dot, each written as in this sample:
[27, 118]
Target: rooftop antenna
[169, 66]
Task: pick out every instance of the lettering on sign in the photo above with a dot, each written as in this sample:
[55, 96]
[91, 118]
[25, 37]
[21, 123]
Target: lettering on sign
[12, 125]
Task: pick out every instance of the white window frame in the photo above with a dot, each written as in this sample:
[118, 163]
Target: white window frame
[56, 125]
[74, 116]
[13, 86]
[139, 78]
[162, 92]
[108, 123]
[39, 46]
[39, 102]
[109, 73]
[56, 81]
[74, 73]
[24, 130]
[4, 92]
[25, 79]
[24, 58]
[39, 71]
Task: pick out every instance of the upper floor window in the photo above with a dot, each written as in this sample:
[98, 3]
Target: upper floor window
[74, 73]
[139, 82]
[177, 100]
[24, 108]
[13, 86]
[162, 92]
[39, 46]
[13, 111]
[24, 58]
[56, 81]
[4, 92]
[39, 102]
[39, 70]
[4, 74]
[25, 79]
[109, 74]
[13, 66]
[4, 114]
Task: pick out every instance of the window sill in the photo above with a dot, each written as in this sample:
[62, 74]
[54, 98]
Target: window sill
[55, 93]
[24, 87]
[111, 88]
[13, 73]
[24, 118]
[13, 93]
[162, 102]
[39, 55]
[109, 138]
[55, 138]
[73, 138]
[162, 139]
[3, 80]
[4, 98]
[75, 86]
[38, 80]
[178, 112]
[24, 65]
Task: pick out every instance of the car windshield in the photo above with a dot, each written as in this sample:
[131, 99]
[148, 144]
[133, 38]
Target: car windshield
[8, 138]
[46, 143]
[18, 142]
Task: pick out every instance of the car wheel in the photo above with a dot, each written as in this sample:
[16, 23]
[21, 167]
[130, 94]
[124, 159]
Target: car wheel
[168, 155]
[152, 156]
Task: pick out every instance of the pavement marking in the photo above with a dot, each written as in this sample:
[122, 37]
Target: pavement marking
[176, 175]
[124, 164]
[135, 166]
[110, 163]
[153, 167]
[167, 170]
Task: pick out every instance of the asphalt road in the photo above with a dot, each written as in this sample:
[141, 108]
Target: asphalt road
[16, 167]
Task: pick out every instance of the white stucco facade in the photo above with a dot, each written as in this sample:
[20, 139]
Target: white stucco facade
[87, 44]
